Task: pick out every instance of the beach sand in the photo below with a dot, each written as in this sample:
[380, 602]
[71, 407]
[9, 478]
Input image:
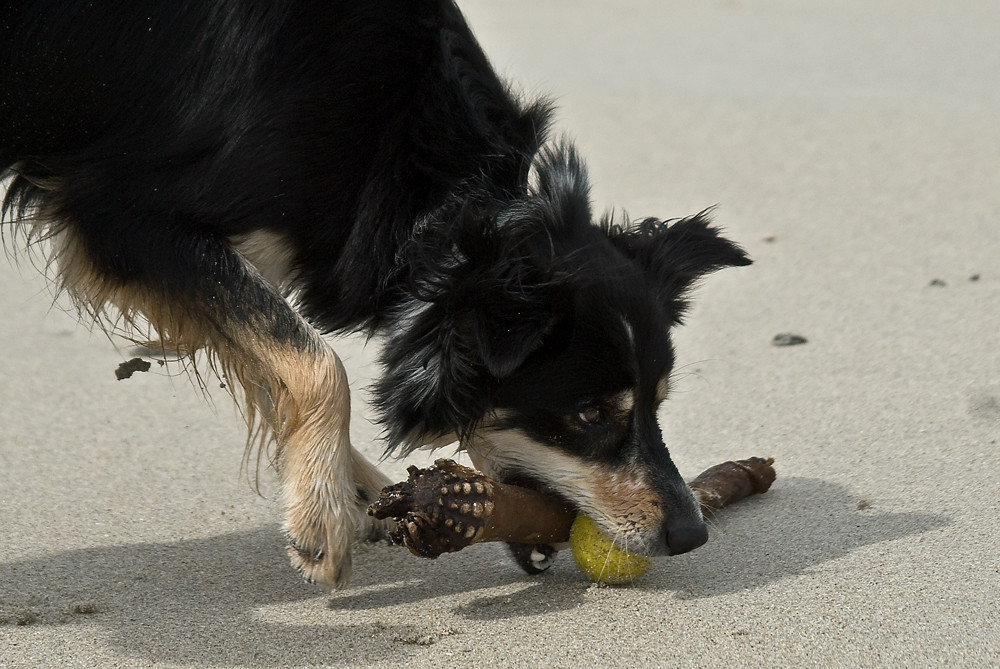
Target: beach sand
[852, 147]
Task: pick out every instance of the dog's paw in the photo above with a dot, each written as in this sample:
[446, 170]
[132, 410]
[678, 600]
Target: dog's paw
[369, 528]
[533, 558]
[372, 529]
[321, 557]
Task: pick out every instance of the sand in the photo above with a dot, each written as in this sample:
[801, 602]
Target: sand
[852, 147]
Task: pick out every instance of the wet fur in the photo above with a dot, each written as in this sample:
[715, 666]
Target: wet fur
[246, 175]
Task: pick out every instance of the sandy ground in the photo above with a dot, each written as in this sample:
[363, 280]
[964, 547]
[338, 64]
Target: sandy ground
[852, 146]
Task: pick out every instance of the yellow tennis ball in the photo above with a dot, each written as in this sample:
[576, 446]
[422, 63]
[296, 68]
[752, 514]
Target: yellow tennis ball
[599, 558]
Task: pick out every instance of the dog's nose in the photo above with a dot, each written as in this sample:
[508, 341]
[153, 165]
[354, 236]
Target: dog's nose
[686, 537]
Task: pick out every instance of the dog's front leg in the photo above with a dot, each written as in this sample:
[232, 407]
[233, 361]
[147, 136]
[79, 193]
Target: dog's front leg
[198, 293]
[311, 416]
[325, 483]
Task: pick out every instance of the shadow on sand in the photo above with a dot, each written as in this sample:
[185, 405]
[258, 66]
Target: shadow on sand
[211, 601]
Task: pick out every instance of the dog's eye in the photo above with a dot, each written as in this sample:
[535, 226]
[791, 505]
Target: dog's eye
[592, 416]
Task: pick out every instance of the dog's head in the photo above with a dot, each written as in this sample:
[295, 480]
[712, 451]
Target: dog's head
[543, 341]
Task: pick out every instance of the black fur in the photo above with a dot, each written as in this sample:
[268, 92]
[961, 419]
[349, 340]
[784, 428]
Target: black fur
[420, 199]
[335, 123]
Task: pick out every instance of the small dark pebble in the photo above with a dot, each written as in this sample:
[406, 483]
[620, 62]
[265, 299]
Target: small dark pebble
[412, 639]
[27, 617]
[788, 340]
[974, 277]
[126, 369]
[938, 283]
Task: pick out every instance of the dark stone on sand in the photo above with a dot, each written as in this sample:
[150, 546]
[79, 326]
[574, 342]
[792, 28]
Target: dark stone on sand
[129, 367]
[787, 339]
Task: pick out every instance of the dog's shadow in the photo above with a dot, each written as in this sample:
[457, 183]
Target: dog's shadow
[799, 525]
[165, 602]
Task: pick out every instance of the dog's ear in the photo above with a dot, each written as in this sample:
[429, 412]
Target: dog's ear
[479, 301]
[675, 254]
[560, 188]
[506, 331]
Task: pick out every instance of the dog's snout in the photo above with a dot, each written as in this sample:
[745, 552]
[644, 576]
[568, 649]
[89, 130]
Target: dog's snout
[682, 538]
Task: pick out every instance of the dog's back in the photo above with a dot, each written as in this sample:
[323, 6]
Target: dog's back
[300, 118]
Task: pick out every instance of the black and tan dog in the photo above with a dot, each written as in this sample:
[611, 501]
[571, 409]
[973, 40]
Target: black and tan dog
[246, 175]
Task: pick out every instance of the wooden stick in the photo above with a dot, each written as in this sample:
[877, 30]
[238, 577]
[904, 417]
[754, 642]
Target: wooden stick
[447, 507]
[731, 481]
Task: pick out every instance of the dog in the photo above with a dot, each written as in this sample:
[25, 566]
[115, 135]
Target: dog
[242, 177]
